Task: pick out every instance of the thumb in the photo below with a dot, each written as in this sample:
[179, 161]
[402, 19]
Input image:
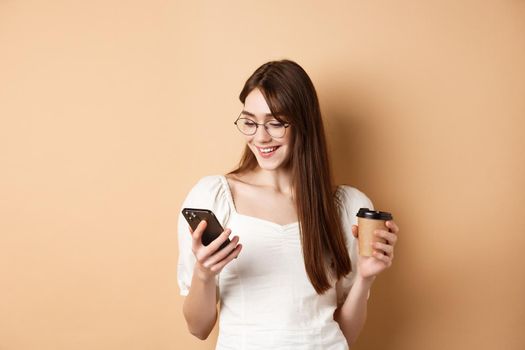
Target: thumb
[355, 231]
[199, 230]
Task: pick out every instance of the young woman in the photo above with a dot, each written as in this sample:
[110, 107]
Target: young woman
[291, 278]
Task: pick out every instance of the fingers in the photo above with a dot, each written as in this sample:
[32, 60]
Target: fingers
[212, 265]
[217, 242]
[221, 254]
[220, 259]
[387, 260]
[218, 267]
[392, 226]
[385, 249]
[390, 237]
[202, 252]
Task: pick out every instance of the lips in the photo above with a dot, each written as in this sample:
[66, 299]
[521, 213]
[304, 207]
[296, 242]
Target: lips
[272, 148]
[268, 151]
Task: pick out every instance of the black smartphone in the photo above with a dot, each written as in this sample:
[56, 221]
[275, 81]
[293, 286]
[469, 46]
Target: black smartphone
[213, 228]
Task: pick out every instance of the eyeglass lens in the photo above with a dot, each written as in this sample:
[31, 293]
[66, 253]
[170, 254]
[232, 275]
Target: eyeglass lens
[248, 127]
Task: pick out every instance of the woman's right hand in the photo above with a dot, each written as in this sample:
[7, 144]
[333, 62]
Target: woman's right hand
[211, 261]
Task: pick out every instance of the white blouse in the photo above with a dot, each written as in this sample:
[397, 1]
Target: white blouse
[266, 298]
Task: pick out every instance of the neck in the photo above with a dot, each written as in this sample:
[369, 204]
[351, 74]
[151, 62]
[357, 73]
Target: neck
[279, 179]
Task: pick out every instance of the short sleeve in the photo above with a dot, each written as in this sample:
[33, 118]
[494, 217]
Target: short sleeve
[349, 200]
[207, 193]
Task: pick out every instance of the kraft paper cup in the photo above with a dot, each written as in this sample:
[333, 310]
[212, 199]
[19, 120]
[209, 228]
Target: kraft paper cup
[368, 221]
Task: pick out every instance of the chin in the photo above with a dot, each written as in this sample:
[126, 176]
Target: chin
[269, 167]
[266, 165]
[269, 164]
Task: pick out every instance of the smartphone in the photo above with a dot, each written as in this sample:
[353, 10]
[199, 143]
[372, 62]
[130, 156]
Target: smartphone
[213, 228]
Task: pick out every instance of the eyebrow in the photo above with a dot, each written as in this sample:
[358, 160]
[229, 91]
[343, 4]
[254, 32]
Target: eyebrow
[253, 115]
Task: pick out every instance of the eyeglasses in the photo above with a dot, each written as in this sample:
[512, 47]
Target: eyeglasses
[273, 127]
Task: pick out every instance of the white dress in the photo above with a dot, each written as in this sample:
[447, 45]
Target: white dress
[266, 299]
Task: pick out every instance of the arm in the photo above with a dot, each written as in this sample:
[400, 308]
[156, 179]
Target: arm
[199, 308]
[200, 305]
[351, 316]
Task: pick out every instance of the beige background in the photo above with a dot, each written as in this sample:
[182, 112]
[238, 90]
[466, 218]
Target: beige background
[110, 111]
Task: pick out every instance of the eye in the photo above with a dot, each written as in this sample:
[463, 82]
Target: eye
[275, 124]
[248, 122]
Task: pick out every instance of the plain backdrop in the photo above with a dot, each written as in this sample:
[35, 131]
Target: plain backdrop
[112, 110]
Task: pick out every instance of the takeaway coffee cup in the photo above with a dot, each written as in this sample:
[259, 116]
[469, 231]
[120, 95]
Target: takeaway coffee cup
[368, 221]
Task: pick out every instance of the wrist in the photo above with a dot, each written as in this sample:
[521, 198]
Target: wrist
[202, 274]
[365, 282]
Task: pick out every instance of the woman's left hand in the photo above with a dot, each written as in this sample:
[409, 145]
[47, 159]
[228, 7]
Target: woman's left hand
[383, 254]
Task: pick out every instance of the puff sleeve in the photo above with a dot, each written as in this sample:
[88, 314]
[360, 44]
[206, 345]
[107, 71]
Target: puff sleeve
[349, 200]
[207, 193]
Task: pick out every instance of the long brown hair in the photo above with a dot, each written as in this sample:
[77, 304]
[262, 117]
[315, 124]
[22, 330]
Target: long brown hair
[291, 97]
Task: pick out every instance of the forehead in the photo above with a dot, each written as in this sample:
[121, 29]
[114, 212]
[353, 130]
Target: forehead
[255, 105]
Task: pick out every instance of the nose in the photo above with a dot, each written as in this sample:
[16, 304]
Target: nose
[261, 135]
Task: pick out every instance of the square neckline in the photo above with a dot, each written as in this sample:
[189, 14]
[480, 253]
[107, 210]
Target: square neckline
[229, 195]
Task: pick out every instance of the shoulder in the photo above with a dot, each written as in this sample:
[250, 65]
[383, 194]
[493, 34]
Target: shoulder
[207, 184]
[209, 181]
[351, 199]
[209, 192]
[206, 190]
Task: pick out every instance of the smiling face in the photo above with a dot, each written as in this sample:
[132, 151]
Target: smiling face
[270, 152]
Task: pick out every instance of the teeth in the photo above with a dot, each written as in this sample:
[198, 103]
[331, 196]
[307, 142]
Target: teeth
[268, 150]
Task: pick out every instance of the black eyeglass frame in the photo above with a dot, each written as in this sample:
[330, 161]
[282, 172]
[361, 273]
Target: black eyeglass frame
[285, 125]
